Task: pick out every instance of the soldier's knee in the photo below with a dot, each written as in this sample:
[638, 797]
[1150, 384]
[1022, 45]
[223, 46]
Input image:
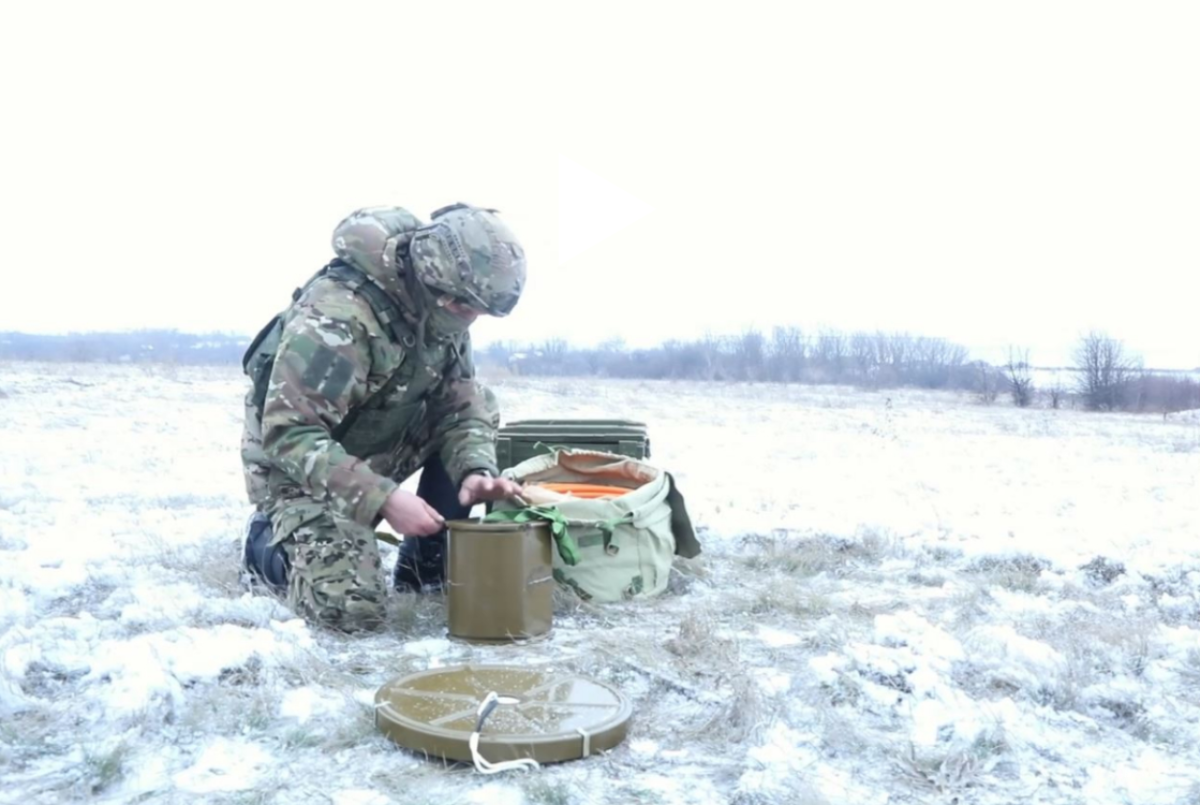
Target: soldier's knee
[335, 579]
[340, 594]
[338, 605]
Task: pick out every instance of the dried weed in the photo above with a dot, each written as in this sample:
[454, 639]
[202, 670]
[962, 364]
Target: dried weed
[742, 715]
[949, 769]
[1017, 572]
[809, 556]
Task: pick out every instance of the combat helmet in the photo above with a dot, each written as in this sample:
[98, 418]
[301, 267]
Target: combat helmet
[469, 253]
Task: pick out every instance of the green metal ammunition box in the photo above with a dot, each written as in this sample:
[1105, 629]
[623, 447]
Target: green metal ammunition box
[518, 441]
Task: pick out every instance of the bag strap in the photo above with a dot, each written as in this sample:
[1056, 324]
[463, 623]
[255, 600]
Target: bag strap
[386, 311]
[686, 544]
[382, 305]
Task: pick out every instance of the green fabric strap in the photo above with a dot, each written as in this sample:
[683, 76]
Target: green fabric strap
[567, 548]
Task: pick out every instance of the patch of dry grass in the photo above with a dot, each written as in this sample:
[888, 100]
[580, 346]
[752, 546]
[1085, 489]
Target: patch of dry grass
[411, 615]
[1017, 572]
[212, 563]
[782, 596]
[349, 730]
[103, 767]
[840, 734]
[801, 794]
[742, 715]
[88, 771]
[229, 709]
[953, 768]
[803, 557]
[542, 790]
[700, 688]
[83, 598]
[1097, 644]
[969, 604]
[698, 638]
[26, 736]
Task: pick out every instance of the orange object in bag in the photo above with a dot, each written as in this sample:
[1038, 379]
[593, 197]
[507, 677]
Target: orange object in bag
[585, 491]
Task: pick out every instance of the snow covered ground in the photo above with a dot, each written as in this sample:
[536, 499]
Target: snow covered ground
[905, 597]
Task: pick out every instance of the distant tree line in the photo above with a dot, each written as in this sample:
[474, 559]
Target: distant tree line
[138, 346]
[1105, 375]
[786, 355]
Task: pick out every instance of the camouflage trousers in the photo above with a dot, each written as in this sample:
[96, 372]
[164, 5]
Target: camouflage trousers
[335, 574]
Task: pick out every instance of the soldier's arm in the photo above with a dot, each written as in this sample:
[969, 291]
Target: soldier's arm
[468, 416]
[320, 373]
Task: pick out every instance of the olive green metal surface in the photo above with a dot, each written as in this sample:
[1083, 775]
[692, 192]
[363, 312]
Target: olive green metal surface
[518, 441]
[500, 583]
[557, 715]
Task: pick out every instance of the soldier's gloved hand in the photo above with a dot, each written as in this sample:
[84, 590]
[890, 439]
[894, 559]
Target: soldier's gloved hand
[410, 515]
[476, 488]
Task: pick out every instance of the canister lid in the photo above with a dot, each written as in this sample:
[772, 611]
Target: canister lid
[556, 715]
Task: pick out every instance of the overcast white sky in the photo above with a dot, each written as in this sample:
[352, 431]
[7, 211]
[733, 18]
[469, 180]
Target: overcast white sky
[993, 173]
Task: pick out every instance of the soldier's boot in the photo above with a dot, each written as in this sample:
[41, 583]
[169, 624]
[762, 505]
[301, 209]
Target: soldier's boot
[266, 563]
[421, 567]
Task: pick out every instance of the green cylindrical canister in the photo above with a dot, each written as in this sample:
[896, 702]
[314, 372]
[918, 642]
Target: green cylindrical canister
[500, 581]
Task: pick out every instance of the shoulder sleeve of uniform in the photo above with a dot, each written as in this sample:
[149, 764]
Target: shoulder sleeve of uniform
[320, 374]
[322, 363]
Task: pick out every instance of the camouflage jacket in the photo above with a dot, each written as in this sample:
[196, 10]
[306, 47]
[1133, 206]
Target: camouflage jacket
[350, 411]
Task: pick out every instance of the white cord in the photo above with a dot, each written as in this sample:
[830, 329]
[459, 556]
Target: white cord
[482, 766]
[587, 741]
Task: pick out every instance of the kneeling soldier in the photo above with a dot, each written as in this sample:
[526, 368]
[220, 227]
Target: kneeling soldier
[366, 378]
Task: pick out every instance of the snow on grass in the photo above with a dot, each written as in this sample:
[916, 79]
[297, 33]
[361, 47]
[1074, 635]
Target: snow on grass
[225, 765]
[905, 597]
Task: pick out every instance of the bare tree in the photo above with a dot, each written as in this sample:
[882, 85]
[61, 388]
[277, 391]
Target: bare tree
[787, 354]
[1105, 371]
[831, 353]
[750, 353]
[1056, 392]
[987, 383]
[935, 363]
[1019, 375]
[712, 352]
[861, 347]
[686, 360]
[894, 349]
